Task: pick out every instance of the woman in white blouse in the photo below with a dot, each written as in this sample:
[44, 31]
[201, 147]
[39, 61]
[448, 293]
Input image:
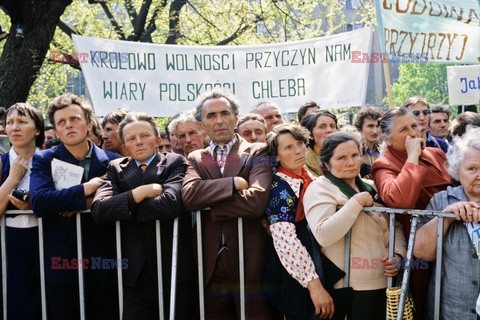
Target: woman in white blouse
[25, 130]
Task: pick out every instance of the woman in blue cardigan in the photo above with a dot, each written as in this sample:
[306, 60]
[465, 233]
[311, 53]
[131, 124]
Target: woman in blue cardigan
[25, 130]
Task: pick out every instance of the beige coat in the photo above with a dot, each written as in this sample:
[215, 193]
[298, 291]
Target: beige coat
[369, 233]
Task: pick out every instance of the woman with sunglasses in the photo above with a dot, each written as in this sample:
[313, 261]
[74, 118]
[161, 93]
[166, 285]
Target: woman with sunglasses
[421, 110]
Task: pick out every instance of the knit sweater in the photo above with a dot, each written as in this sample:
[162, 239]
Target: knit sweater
[369, 242]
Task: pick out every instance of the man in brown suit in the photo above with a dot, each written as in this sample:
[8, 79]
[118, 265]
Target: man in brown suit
[230, 179]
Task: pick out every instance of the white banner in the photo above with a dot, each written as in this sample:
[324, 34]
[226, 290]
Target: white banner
[463, 85]
[441, 31]
[165, 79]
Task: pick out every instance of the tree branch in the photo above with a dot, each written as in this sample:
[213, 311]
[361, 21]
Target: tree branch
[151, 24]
[131, 11]
[139, 26]
[118, 29]
[241, 29]
[174, 18]
[66, 28]
[201, 16]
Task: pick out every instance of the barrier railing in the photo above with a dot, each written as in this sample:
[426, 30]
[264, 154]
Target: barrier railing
[411, 242]
[392, 213]
[81, 288]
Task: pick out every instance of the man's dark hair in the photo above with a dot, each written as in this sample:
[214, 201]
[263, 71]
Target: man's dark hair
[414, 100]
[215, 94]
[115, 117]
[64, 101]
[441, 108]
[304, 107]
[462, 121]
[365, 113]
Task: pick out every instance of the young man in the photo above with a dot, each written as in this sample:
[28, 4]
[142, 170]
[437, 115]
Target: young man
[439, 122]
[111, 140]
[367, 122]
[421, 109]
[72, 119]
[165, 145]
[138, 190]
[226, 181]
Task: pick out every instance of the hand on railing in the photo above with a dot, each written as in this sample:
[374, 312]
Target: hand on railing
[364, 198]
[466, 211]
[392, 266]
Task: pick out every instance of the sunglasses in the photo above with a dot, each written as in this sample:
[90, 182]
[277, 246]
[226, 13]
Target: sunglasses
[425, 112]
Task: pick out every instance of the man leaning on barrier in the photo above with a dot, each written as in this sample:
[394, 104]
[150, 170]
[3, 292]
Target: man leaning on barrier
[224, 179]
[138, 190]
[71, 118]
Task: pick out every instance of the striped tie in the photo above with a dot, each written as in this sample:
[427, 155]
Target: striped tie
[143, 166]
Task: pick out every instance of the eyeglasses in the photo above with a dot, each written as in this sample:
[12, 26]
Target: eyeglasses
[425, 112]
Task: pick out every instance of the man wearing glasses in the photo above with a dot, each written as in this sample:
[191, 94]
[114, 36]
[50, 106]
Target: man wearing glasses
[421, 110]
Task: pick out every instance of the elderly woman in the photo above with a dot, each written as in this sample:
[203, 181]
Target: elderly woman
[407, 175]
[25, 130]
[302, 290]
[320, 124]
[460, 262]
[341, 186]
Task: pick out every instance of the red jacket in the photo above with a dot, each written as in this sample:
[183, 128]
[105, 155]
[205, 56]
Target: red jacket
[407, 185]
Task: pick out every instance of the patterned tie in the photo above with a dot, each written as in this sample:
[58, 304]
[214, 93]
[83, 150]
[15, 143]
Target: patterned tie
[143, 166]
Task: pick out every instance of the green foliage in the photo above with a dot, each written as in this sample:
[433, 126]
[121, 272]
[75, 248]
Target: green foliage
[200, 22]
[428, 80]
[161, 123]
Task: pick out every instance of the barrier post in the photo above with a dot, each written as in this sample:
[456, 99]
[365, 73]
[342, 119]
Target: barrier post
[391, 243]
[406, 272]
[173, 279]
[241, 268]
[41, 254]
[81, 289]
[438, 269]
[4, 265]
[159, 269]
[201, 296]
[118, 239]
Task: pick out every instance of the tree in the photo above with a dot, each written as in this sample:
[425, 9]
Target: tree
[199, 22]
[22, 59]
[428, 80]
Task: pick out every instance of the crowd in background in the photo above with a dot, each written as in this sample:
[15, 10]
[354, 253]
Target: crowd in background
[299, 187]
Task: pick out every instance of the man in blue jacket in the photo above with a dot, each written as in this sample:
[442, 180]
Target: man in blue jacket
[71, 118]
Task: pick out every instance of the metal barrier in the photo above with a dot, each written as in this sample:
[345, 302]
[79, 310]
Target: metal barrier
[411, 242]
[80, 264]
[392, 212]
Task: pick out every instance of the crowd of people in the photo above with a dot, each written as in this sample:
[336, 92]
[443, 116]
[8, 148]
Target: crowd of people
[299, 187]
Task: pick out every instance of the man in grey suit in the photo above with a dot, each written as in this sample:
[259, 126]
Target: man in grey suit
[232, 179]
[138, 190]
